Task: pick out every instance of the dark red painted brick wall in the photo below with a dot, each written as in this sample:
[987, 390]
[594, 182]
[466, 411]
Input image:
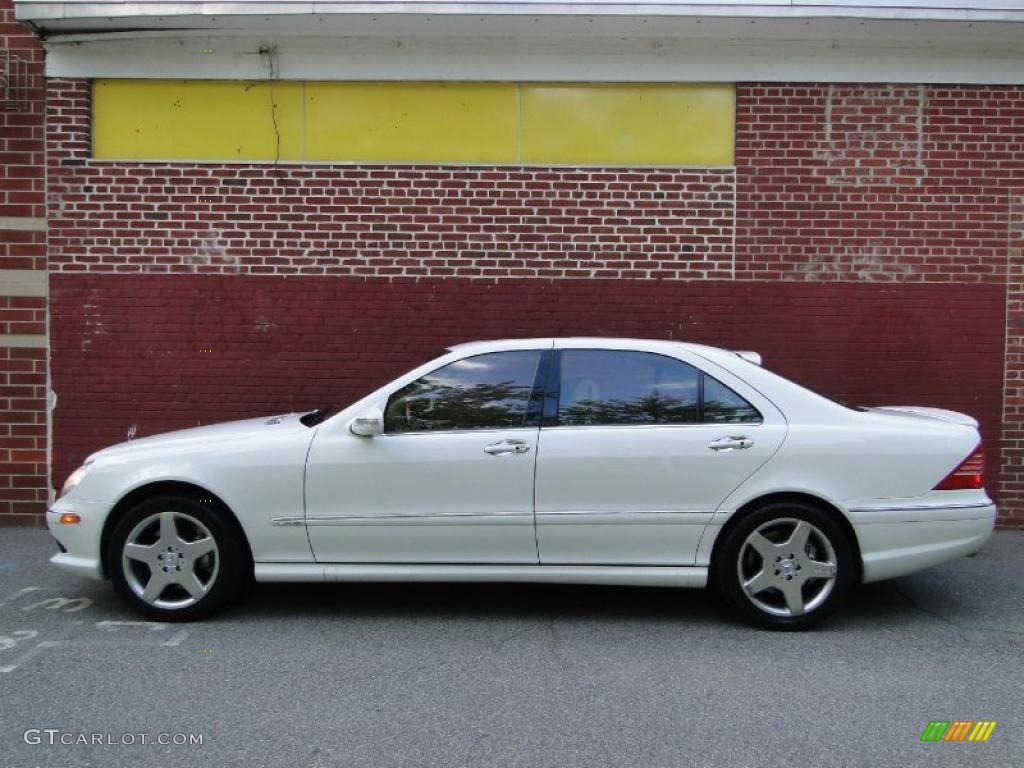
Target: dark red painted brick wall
[130, 350]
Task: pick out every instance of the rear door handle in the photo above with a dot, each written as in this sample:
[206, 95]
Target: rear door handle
[731, 443]
[503, 447]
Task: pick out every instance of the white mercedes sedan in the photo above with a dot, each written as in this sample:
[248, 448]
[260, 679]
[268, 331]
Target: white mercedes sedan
[584, 461]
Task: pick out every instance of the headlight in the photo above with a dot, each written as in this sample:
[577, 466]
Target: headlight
[74, 479]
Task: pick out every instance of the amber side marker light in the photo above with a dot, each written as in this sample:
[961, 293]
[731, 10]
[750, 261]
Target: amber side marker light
[69, 518]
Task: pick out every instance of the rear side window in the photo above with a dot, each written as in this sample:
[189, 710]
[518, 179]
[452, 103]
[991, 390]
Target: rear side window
[723, 406]
[490, 391]
[611, 387]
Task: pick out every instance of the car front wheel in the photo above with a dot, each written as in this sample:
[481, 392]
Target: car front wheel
[785, 566]
[176, 559]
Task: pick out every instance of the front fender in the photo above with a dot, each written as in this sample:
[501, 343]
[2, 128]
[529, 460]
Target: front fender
[257, 481]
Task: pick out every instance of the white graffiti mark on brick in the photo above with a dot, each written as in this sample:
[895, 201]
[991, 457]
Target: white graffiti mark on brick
[264, 324]
[211, 250]
[93, 324]
[874, 135]
[869, 264]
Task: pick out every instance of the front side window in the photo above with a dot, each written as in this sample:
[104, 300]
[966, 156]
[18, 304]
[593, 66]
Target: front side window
[490, 391]
[618, 387]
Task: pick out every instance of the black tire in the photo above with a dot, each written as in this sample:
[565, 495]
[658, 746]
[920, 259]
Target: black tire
[785, 571]
[219, 574]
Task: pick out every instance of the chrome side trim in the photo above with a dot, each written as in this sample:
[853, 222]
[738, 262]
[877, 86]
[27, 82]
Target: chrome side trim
[707, 427]
[625, 517]
[393, 517]
[481, 431]
[920, 507]
[553, 517]
[652, 576]
[627, 512]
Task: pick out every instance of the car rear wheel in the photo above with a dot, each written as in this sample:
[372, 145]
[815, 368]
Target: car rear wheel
[785, 566]
[176, 559]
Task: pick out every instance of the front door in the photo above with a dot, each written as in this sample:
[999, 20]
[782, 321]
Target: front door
[449, 481]
[637, 452]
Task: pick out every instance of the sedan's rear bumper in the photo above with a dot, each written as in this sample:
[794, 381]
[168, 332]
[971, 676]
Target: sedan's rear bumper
[893, 545]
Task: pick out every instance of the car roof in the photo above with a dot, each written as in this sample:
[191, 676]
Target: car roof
[578, 341]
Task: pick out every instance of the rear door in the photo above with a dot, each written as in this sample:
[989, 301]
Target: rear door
[636, 452]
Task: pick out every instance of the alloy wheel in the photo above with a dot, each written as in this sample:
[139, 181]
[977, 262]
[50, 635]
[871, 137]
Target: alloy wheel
[170, 560]
[787, 567]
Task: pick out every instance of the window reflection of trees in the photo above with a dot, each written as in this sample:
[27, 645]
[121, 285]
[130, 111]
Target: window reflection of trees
[653, 408]
[723, 406]
[656, 407]
[719, 412]
[430, 405]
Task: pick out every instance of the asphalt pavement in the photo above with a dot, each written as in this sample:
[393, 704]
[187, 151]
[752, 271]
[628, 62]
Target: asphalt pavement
[507, 675]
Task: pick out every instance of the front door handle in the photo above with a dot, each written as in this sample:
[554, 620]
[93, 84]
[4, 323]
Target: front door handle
[503, 447]
[731, 443]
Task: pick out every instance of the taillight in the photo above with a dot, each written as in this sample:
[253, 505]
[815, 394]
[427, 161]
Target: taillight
[970, 473]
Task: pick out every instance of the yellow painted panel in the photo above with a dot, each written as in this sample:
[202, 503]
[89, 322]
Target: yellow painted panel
[482, 123]
[196, 120]
[411, 122]
[628, 124]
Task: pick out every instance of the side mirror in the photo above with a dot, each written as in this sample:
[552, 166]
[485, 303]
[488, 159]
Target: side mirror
[368, 423]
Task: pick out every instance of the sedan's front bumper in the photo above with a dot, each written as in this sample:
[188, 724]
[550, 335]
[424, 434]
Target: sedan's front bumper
[895, 542]
[81, 540]
[80, 566]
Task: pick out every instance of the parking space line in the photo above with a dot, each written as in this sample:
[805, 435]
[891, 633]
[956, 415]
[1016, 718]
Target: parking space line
[112, 626]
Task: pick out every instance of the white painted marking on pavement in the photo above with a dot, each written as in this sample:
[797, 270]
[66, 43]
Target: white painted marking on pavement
[112, 626]
[28, 655]
[21, 592]
[61, 603]
[8, 642]
[178, 638]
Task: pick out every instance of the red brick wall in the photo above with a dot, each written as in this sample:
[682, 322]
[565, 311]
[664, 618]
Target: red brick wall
[1012, 486]
[396, 221]
[23, 431]
[22, 190]
[861, 243]
[876, 183]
